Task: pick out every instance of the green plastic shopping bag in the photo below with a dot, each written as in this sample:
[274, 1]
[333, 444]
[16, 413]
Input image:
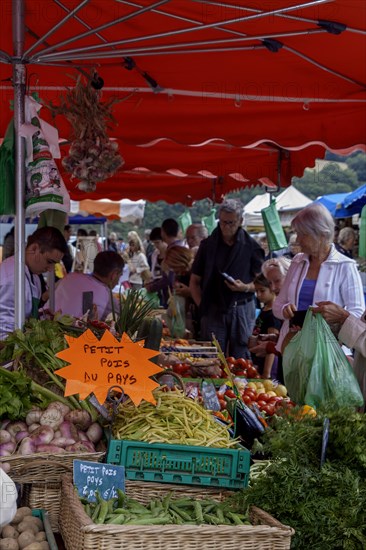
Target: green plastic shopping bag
[297, 360]
[7, 172]
[184, 221]
[275, 234]
[210, 221]
[176, 319]
[52, 218]
[316, 371]
[153, 298]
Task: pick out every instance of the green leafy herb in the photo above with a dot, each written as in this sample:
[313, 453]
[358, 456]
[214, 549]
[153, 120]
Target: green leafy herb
[34, 350]
[16, 397]
[326, 506]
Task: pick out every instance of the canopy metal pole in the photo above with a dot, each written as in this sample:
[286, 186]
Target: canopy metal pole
[225, 22]
[104, 235]
[107, 25]
[51, 290]
[19, 79]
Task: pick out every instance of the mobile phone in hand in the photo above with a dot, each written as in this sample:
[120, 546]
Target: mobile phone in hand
[229, 278]
[298, 319]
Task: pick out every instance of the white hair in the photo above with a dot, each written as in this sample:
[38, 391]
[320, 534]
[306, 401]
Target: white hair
[315, 220]
[281, 263]
[231, 206]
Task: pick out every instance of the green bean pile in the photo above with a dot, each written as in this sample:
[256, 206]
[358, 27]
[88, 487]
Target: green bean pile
[176, 419]
[123, 510]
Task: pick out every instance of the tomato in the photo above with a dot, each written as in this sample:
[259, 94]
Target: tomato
[269, 409]
[275, 399]
[222, 374]
[230, 360]
[261, 403]
[222, 404]
[241, 373]
[252, 372]
[241, 363]
[252, 394]
[281, 404]
[230, 393]
[182, 369]
[247, 399]
[265, 397]
[99, 324]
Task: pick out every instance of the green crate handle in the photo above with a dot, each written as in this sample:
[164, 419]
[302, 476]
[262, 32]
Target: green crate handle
[43, 516]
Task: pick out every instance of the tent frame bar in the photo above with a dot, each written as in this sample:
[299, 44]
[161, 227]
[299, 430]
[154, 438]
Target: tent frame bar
[167, 49]
[101, 28]
[176, 32]
[19, 82]
[57, 26]
[218, 95]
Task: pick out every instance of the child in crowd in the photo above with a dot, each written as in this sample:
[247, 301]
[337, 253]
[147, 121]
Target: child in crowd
[266, 323]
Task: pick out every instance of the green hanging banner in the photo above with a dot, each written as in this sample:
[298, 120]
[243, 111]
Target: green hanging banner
[272, 224]
[184, 221]
[210, 221]
[52, 218]
[362, 236]
[7, 172]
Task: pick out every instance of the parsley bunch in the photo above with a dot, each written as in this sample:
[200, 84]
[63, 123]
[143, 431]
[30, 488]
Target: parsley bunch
[326, 506]
[16, 397]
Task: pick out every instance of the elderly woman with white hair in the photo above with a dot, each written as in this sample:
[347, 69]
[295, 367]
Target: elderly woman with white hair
[319, 273]
[346, 241]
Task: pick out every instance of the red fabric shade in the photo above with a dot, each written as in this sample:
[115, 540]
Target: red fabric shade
[216, 75]
[176, 173]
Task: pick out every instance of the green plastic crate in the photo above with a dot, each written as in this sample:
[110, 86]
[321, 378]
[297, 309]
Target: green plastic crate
[182, 464]
[43, 516]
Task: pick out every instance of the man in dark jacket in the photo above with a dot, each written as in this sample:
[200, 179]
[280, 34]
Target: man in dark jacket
[227, 306]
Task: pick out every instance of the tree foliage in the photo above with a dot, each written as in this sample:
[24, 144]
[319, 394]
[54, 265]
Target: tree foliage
[358, 164]
[331, 179]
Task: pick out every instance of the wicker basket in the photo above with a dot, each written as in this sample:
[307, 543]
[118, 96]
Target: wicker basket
[45, 467]
[46, 496]
[40, 477]
[144, 492]
[80, 533]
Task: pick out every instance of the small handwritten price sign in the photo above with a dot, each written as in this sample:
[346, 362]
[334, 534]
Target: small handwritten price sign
[96, 365]
[90, 477]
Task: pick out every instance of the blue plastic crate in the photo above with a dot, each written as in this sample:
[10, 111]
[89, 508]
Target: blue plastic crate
[181, 464]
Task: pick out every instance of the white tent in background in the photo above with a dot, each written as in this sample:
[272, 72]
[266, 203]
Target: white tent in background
[288, 203]
[125, 210]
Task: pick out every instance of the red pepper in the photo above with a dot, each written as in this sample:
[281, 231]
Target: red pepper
[99, 324]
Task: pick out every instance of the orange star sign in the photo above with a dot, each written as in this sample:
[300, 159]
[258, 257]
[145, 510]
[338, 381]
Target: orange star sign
[96, 365]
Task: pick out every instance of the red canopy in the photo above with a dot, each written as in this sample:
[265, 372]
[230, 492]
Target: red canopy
[233, 74]
[176, 173]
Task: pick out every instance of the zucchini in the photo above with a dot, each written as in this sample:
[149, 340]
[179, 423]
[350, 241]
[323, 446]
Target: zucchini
[151, 330]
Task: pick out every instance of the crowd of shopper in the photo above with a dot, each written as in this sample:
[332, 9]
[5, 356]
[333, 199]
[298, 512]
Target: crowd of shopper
[227, 283]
